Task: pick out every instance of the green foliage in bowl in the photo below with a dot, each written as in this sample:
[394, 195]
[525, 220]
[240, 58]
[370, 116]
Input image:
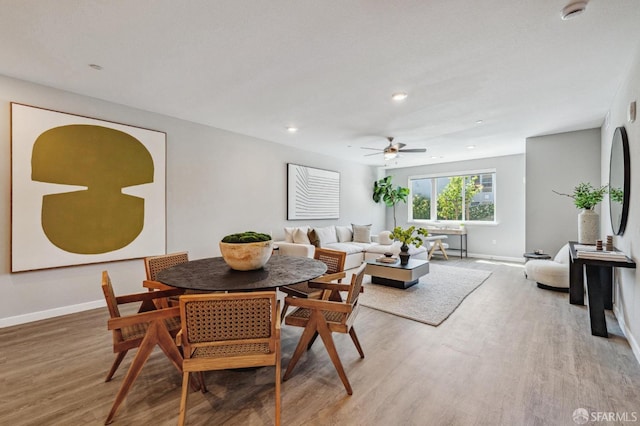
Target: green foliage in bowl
[246, 237]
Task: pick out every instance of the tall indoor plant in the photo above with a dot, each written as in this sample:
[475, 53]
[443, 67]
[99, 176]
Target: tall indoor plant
[383, 190]
[586, 197]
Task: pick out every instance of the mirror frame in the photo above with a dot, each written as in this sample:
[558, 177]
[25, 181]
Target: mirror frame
[621, 133]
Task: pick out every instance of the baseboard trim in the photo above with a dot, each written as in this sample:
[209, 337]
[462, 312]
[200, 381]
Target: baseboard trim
[50, 313]
[635, 348]
[491, 257]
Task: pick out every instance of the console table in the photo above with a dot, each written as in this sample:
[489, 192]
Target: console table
[599, 286]
[462, 232]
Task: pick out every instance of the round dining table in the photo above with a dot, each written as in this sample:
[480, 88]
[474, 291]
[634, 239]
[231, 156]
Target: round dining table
[213, 274]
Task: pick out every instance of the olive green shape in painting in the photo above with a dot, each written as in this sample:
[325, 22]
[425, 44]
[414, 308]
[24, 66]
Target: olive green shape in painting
[101, 218]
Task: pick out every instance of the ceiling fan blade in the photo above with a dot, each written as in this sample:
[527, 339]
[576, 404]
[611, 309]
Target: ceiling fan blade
[375, 149]
[398, 146]
[369, 155]
[413, 150]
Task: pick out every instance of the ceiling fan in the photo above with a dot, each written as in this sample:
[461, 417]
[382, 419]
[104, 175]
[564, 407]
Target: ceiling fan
[393, 149]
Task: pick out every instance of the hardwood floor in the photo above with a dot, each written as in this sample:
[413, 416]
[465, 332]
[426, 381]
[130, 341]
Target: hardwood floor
[511, 354]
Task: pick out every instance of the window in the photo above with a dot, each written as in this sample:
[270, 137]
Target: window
[463, 197]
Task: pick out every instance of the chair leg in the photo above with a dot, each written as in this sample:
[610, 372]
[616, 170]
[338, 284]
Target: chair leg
[285, 306]
[307, 334]
[312, 341]
[444, 252]
[325, 335]
[354, 337]
[278, 396]
[183, 398]
[203, 386]
[157, 333]
[116, 364]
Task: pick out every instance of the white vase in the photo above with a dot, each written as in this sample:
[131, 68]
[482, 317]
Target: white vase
[588, 227]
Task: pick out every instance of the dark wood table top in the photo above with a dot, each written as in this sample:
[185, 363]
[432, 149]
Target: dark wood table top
[213, 274]
[626, 263]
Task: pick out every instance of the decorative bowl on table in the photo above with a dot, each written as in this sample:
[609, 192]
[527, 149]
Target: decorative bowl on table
[246, 251]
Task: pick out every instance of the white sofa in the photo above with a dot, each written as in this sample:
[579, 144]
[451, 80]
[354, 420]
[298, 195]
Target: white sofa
[355, 240]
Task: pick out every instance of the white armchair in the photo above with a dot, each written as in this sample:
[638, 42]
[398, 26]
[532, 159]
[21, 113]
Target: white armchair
[551, 274]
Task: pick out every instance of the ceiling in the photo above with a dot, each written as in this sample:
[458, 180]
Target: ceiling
[330, 67]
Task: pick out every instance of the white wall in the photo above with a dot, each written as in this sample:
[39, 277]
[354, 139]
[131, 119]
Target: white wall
[558, 162]
[627, 287]
[508, 233]
[217, 183]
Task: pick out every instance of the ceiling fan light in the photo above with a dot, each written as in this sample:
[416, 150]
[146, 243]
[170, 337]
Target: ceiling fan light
[390, 155]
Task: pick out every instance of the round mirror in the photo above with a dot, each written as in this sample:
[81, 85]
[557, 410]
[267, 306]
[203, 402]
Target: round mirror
[619, 181]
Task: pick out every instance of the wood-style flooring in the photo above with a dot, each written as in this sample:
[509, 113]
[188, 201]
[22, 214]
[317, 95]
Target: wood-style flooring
[511, 354]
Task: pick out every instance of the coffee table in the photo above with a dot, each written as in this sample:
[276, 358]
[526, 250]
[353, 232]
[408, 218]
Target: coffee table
[395, 274]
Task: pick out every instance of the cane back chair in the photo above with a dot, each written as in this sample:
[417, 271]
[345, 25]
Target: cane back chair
[229, 330]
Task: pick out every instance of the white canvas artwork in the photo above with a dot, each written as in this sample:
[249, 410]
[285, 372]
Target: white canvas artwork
[312, 193]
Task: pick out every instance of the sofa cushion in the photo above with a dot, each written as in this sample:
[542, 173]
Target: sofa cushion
[300, 236]
[385, 238]
[348, 248]
[361, 233]
[289, 231]
[326, 235]
[344, 234]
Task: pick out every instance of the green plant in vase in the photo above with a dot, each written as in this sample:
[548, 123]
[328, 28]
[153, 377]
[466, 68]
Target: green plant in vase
[408, 236]
[586, 196]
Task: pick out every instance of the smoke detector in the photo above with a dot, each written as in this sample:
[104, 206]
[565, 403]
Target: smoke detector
[573, 9]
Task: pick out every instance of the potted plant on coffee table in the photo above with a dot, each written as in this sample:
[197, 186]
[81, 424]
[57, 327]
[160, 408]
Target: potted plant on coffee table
[408, 236]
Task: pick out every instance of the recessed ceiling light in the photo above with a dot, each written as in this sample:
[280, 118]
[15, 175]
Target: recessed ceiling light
[479, 121]
[471, 146]
[292, 129]
[399, 96]
[95, 67]
[573, 9]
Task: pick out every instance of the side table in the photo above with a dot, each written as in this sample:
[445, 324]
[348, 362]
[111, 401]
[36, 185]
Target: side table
[529, 256]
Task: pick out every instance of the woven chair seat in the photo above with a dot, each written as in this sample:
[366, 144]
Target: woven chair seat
[300, 290]
[223, 351]
[329, 316]
[137, 331]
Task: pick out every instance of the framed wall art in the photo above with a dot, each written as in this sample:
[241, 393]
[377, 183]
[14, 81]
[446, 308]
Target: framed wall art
[83, 190]
[312, 193]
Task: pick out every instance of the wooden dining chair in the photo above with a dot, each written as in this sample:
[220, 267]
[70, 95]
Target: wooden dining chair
[155, 264]
[143, 330]
[334, 260]
[229, 330]
[325, 317]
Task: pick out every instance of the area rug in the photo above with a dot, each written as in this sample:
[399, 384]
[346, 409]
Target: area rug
[432, 300]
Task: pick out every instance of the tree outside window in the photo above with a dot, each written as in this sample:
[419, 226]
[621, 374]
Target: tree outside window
[457, 198]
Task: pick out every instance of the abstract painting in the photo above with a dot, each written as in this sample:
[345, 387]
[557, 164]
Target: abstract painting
[83, 190]
[312, 193]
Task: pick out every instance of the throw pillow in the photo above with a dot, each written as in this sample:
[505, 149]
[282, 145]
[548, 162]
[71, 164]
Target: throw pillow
[313, 237]
[326, 235]
[344, 234]
[289, 231]
[384, 238]
[361, 233]
[300, 236]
